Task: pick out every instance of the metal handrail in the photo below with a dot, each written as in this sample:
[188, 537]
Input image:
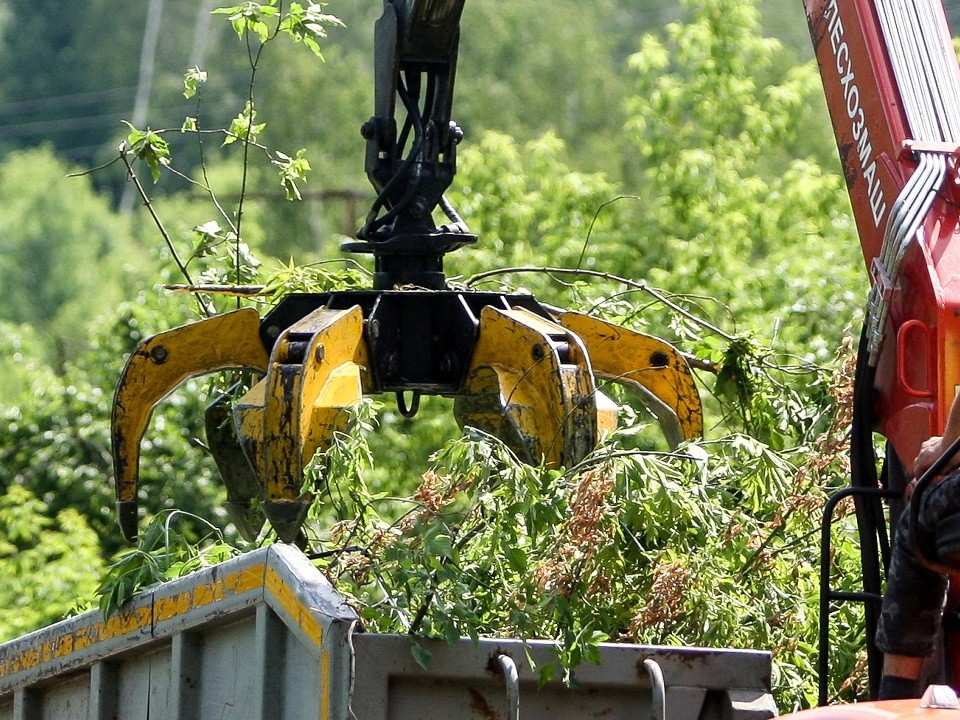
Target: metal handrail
[827, 595]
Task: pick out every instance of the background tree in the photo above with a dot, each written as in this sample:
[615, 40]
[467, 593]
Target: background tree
[55, 434]
[51, 565]
[65, 256]
[721, 156]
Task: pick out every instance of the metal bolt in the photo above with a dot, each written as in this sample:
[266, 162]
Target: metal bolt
[273, 332]
[159, 354]
[418, 208]
[319, 353]
[538, 353]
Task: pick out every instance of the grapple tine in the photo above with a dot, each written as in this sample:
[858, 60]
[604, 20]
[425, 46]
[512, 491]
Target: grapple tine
[155, 368]
[315, 373]
[645, 363]
[530, 384]
[238, 474]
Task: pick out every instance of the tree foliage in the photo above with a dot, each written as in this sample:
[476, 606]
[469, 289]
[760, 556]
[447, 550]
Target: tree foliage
[53, 231]
[50, 564]
[709, 147]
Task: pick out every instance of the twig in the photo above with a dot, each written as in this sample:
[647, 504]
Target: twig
[642, 286]
[132, 175]
[242, 291]
[254, 60]
[593, 221]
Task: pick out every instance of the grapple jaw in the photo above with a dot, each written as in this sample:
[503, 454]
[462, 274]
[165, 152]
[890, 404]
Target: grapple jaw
[515, 370]
[155, 369]
[239, 476]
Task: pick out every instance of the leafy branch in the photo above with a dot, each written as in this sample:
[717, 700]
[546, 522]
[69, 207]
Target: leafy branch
[162, 553]
[257, 25]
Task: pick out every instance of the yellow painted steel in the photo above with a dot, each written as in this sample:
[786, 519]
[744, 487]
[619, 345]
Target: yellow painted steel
[304, 616]
[647, 364]
[141, 619]
[160, 364]
[326, 684]
[315, 374]
[529, 383]
[248, 417]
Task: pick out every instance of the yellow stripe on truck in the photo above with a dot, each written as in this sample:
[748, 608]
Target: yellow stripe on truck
[299, 613]
[142, 620]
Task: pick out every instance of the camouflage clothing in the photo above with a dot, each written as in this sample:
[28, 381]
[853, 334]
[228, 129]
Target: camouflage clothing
[913, 605]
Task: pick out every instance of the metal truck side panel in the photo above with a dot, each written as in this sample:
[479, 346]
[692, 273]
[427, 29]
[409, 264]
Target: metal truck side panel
[261, 636]
[464, 681]
[265, 636]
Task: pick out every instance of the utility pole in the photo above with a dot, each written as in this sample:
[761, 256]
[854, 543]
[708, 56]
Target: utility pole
[141, 103]
[201, 34]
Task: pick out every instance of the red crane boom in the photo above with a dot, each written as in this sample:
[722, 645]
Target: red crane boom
[892, 86]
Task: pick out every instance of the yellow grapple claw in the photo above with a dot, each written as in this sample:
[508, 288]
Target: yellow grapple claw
[155, 369]
[650, 365]
[315, 374]
[529, 383]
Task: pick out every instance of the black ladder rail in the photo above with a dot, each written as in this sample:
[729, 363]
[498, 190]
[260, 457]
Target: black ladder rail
[827, 594]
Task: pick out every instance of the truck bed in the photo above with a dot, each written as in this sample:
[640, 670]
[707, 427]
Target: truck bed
[265, 636]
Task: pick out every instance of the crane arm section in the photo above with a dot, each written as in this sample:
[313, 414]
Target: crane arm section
[892, 86]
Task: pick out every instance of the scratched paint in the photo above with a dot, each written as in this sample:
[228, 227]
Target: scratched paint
[140, 620]
[305, 619]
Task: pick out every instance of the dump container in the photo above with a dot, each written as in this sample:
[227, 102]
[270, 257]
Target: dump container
[265, 636]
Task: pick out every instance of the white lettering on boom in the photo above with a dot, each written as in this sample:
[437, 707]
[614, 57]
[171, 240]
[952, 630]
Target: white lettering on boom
[854, 108]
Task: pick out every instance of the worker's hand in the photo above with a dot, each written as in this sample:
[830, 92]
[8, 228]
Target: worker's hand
[930, 451]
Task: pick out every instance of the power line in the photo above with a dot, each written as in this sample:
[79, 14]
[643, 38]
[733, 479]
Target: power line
[58, 101]
[42, 127]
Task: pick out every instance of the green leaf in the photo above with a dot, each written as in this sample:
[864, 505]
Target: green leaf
[547, 672]
[450, 631]
[192, 80]
[207, 237]
[292, 170]
[247, 18]
[308, 25]
[421, 655]
[517, 559]
[244, 126]
[209, 229]
[150, 147]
